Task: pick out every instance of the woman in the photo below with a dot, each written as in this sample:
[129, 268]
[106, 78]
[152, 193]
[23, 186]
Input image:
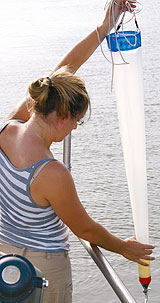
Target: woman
[38, 196]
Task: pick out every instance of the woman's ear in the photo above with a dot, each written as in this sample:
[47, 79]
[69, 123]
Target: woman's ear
[60, 121]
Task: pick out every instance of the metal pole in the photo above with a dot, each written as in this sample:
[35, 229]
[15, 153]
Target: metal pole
[95, 253]
[67, 151]
[108, 272]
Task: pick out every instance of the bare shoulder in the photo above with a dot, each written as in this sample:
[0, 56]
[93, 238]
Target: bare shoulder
[53, 184]
[7, 129]
[20, 111]
[61, 194]
[57, 169]
[57, 175]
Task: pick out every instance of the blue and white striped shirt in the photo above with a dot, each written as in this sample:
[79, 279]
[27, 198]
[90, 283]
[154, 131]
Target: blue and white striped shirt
[23, 223]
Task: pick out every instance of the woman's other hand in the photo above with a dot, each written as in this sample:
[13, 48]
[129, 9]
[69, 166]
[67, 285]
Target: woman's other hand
[137, 252]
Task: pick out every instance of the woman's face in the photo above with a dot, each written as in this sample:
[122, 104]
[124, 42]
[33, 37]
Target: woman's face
[67, 125]
[71, 123]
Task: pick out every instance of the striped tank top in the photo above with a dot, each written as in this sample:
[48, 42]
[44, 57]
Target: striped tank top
[23, 223]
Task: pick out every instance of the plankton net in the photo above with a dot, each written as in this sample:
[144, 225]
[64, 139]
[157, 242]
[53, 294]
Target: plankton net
[127, 78]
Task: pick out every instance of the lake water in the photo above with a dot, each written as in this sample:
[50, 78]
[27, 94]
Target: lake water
[34, 36]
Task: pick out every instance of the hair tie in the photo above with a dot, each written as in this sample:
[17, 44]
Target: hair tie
[50, 81]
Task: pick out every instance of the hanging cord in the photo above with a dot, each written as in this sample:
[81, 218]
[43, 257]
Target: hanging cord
[125, 8]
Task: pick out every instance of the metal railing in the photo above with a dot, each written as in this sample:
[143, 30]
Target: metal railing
[117, 285]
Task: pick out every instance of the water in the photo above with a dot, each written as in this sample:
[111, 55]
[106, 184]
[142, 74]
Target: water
[34, 36]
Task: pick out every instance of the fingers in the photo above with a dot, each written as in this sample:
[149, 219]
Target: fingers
[149, 246]
[147, 258]
[138, 252]
[130, 6]
[148, 252]
[126, 4]
[144, 246]
[144, 258]
[141, 262]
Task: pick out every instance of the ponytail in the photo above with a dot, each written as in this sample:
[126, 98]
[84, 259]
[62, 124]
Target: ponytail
[63, 92]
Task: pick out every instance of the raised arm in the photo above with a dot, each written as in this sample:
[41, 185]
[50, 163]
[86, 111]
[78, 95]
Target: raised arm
[79, 54]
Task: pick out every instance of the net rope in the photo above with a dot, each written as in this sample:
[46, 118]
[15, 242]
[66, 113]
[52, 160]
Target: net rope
[110, 4]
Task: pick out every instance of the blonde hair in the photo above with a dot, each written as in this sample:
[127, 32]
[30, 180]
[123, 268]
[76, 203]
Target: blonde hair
[63, 92]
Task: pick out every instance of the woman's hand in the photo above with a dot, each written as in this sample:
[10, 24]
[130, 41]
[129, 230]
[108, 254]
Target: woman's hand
[137, 252]
[114, 9]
